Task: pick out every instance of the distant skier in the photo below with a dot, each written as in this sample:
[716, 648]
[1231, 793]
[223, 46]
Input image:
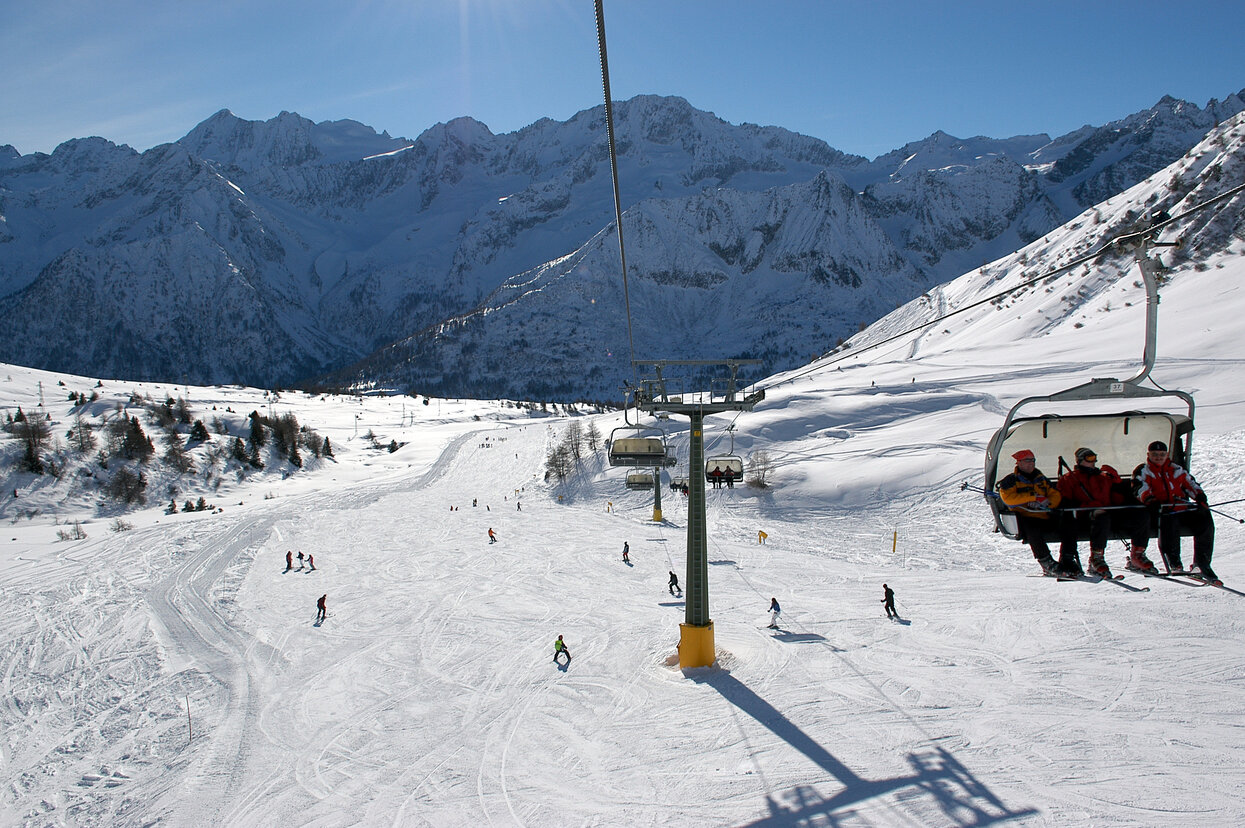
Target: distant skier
[519, 506]
[300, 559]
[774, 612]
[626, 552]
[492, 538]
[559, 649]
[311, 561]
[289, 559]
[888, 599]
[320, 608]
[674, 584]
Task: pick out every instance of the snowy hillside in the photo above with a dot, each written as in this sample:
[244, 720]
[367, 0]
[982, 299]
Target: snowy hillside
[271, 251]
[172, 672]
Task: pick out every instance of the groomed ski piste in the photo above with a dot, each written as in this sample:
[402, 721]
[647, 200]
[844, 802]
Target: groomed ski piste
[171, 673]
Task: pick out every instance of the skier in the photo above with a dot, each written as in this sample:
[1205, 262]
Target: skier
[289, 559]
[775, 611]
[560, 648]
[1032, 497]
[1166, 488]
[888, 598]
[300, 559]
[1091, 490]
[674, 584]
[311, 562]
[626, 552]
[492, 538]
[320, 609]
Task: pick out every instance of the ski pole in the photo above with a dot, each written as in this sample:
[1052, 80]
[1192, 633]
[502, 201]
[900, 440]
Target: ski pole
[1225, 514]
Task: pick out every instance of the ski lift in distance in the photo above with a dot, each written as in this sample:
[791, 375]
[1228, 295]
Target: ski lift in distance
[639, 445]
[642, 480]
[725, 464]
[1119, 436]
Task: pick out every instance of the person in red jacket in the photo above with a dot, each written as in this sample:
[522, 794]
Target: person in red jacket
[1087, 491]
[1171, 492]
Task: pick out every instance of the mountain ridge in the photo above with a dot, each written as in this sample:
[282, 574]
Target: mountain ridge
[343, 239]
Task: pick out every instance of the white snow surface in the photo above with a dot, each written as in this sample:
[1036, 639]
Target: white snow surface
[430, 697]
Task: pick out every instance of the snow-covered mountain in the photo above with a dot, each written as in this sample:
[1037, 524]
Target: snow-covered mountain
[267, 252]
[166, 667]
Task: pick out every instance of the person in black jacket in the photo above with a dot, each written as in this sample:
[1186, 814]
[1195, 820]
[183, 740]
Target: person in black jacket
[888, 599]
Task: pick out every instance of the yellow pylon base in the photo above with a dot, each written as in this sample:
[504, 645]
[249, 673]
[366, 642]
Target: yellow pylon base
[657, 516]
[696, 646]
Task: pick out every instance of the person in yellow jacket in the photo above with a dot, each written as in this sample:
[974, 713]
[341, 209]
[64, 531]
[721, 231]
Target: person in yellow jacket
[1031, 495]
[560, 649]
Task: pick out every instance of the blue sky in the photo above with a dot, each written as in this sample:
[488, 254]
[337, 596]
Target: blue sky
[866, 77]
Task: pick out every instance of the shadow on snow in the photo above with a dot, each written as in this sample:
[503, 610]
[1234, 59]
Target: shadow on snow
[936, 774]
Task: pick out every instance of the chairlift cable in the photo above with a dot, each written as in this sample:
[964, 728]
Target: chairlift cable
[609, 131]
[1118, 240]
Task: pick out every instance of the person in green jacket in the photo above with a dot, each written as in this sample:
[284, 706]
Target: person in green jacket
[560, 648]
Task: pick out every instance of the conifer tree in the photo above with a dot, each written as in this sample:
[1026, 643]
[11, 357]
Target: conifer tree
[199, 433]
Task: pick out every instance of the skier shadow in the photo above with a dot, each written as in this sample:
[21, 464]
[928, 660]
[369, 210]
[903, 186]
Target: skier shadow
[936, 774]
[671, 603]
[907, 622]
[788, 637]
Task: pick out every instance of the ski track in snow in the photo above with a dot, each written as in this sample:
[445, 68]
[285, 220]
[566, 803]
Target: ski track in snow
[430, 696]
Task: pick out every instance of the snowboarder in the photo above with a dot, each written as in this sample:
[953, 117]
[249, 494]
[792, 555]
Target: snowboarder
[289, 559]
[626, 552]
[674, 584]
[774, 612]
[888, 599]
[311, 561]
[320, 608]
[560, 648]
[492, 538]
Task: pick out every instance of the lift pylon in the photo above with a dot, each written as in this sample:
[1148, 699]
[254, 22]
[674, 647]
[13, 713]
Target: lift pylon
[696, 641]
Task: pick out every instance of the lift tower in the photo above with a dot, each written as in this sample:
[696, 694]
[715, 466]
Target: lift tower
[696, 648]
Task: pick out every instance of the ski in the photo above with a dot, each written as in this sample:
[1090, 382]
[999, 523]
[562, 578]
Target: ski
[1173, 577]
[1118, 580]
[1213, 583]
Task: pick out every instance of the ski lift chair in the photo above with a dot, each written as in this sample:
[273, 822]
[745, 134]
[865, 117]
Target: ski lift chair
[639, 446]
[1113, 428]
[1119, 438]
[639, 480]
[728, 463]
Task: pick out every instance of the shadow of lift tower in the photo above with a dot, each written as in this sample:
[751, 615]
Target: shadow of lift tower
[696, 647]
